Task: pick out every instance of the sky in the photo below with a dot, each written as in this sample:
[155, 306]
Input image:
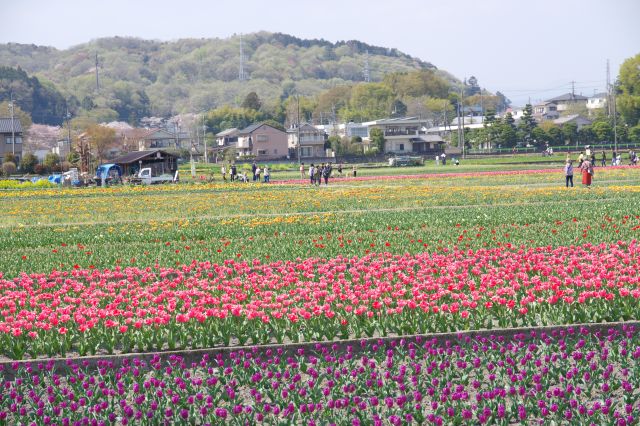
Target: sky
[529, 51]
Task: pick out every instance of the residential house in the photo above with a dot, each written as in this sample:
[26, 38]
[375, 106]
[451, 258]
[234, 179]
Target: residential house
[577, 119]
[227, 137]
[311, 141]
[563, 102]
[597, 101]
[408, 136]
[546, 111]
[10, 138]
[262, 141]
[160, 138]
[348, 130]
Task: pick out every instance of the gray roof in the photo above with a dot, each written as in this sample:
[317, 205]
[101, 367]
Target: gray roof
[5, 125]
[568, 97]
[254, 127]
[135, 156]
[227, 132]
[599, 95]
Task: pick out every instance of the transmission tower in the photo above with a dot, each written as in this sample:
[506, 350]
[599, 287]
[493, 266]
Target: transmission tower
[366, 72]
[242, 76]
[97, 76]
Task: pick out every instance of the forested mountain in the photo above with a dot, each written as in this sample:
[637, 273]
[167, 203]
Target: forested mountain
[43, 102]
[145, 77]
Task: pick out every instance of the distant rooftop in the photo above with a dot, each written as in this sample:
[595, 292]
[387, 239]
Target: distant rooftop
[568, 97]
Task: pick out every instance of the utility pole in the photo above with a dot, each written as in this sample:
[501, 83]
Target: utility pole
[298, 127]
[68, 116]
[13, 129]
[608, 91]
[241, 74]
[204, 137]
[615, 121]
[462, 110]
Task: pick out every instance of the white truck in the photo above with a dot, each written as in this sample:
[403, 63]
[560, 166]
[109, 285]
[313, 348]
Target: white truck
[146, 176]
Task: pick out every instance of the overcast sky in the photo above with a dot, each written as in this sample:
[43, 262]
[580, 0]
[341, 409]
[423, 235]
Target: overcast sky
[527, 50]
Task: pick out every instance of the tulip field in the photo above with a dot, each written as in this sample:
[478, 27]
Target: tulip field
[104, 271]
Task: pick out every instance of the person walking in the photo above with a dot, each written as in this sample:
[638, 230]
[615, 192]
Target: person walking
[568, 173]
[257, 173]
[613, 158]
[603, 161]
[444, 159]
[301, 170]
[312, 174]
[267, 174]
[326, 173]
[317, 175]
[340, 169]
[223, 171]
[355, 171]
[587, 172]
[234, 172]
[254, 168]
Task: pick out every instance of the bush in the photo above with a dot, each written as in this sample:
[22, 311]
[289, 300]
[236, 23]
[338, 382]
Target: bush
[39, 169]
[8, 168]
[28, 163]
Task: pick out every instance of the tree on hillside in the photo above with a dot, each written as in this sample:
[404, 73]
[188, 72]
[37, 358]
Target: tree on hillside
[41, 100]
[398, 109]
[503, 102]
[628, 87]
[369, 101]
[471, 86]
[227, 117]
[252, 101]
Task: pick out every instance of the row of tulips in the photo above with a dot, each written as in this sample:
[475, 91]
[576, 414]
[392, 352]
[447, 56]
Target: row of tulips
[204, 304]
[568, 376]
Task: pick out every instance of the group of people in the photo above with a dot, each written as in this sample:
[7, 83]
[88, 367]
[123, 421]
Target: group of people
[443, 158]
[587, 161]
[257, 172]
[319, 172]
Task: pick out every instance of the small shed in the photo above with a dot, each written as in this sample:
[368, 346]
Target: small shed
[158, 160]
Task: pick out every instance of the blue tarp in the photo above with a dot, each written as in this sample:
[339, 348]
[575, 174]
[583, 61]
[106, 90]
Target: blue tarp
[55, 179]
[105, 171]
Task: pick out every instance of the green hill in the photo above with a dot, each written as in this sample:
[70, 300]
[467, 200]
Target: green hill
[146, 77]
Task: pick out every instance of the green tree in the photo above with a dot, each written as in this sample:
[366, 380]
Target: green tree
[252, 101]
[556, 136]
[51, 162]
[570, 131]
[586, 135]
[398, 109]
[336, 145]
[527, 124]
[28, 163]
[628, 87]
[602, 131]
[540, 136]
[376, 135]
[634, 134]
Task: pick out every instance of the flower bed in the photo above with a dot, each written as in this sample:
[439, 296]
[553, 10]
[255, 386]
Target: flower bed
[250, 302]
[566, 376]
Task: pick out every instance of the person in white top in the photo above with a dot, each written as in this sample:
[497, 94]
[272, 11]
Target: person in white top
[302, 171]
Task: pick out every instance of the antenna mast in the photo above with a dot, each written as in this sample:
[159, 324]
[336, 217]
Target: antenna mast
[242, 76]
[366, 72]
